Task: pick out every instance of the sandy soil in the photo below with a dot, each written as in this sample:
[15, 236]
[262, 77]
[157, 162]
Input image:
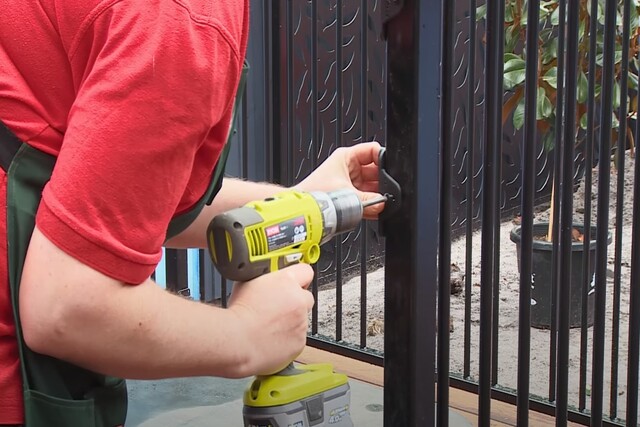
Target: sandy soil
[508, 308]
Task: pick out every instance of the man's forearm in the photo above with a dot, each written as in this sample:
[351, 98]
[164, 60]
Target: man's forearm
[152, 334]
[74, 313]
[234, 193]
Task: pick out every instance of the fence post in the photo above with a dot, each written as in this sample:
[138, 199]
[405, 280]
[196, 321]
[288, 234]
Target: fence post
[412, 158]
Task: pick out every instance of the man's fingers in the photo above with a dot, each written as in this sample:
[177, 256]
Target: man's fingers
[364, 153]
[369, 173]
[368, 187]
[310, 301]
[301, 273]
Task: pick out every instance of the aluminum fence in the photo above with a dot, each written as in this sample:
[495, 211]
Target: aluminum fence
[494, 129]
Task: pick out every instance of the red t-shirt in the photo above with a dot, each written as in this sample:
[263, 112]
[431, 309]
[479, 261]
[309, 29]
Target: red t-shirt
[135, 98]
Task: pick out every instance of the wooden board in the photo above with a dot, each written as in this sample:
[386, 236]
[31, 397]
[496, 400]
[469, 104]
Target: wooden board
[463, 402]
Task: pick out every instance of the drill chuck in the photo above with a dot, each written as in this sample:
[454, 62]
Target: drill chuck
[341, 212]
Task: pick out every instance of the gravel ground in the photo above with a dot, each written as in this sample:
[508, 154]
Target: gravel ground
[508, 307]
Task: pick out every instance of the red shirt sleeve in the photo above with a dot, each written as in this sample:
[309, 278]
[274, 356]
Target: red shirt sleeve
[155, 86]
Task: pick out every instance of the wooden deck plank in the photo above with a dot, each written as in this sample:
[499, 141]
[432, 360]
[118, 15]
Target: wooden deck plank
[465, 403]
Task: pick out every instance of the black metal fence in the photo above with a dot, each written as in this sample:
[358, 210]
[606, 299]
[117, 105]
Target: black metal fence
[491, 140]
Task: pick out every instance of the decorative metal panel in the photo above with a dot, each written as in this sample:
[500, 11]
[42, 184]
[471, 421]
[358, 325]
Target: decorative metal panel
[331, 64]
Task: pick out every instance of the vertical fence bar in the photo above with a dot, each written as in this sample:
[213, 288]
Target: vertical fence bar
[244, 139]
[224, 292]
[205, 276]
[289, 33]
[273, 87]
[604, 178]
[491, 159]
[620, 157]
[339, 142]
[471, 126]
[634, 301]
[495, 333]
[528, 166]
[496, 250]
[444, 258]
[555, 195]
[363, 284]
[315, 140]
[497, 181]
[588, 161]
[364, 7]
[566, 215]
[413, 52]
[176, 262]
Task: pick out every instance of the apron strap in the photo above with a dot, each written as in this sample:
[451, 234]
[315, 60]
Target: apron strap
[9, 146]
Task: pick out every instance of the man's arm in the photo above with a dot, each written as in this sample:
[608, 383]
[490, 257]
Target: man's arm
[72, 312]
[233, 193]
[347, 167]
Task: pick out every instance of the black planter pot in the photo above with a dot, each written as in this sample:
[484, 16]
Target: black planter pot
[542, 269]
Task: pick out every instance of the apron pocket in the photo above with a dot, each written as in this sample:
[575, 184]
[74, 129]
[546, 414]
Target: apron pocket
[41, 410]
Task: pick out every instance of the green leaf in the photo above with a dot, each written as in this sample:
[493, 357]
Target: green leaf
[545, 107]
[546, 33]
[616, 95]
[549, 51]
[632, 81]
[513, 62]
[582, 31]
[583, 121]
[524, 17]
[514, 73]
[583, 87]
[601, 12]
[508, 13]
[634, 18]
[618, 55]
[518, 115]
[599, 59]
[555, 16]
[511, 36]
[509, 56]
[481, 12]
[548, 140]
[545, 8]
[551, 77]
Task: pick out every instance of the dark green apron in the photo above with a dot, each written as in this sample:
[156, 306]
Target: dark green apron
[57, 393]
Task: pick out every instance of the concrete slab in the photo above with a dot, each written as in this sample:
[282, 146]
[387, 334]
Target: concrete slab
[212, 402]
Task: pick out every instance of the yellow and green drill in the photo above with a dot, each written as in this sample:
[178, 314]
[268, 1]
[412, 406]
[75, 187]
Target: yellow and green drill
[265, 236]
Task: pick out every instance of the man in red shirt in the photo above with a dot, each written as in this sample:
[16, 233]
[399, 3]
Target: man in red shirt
[130, 103]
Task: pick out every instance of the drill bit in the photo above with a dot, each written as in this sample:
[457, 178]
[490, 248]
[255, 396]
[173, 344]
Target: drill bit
[375, 201]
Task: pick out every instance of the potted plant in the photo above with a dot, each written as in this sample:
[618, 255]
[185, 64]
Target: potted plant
[513, 109]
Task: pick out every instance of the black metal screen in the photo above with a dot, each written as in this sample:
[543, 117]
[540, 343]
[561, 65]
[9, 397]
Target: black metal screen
[330, 63]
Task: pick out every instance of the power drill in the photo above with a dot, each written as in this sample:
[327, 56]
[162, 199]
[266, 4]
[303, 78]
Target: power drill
[265, 236]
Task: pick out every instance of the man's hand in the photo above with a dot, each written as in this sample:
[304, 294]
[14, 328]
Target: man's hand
[349, 167]
[273, 312]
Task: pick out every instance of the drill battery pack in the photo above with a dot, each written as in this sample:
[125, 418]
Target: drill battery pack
[306, 396]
